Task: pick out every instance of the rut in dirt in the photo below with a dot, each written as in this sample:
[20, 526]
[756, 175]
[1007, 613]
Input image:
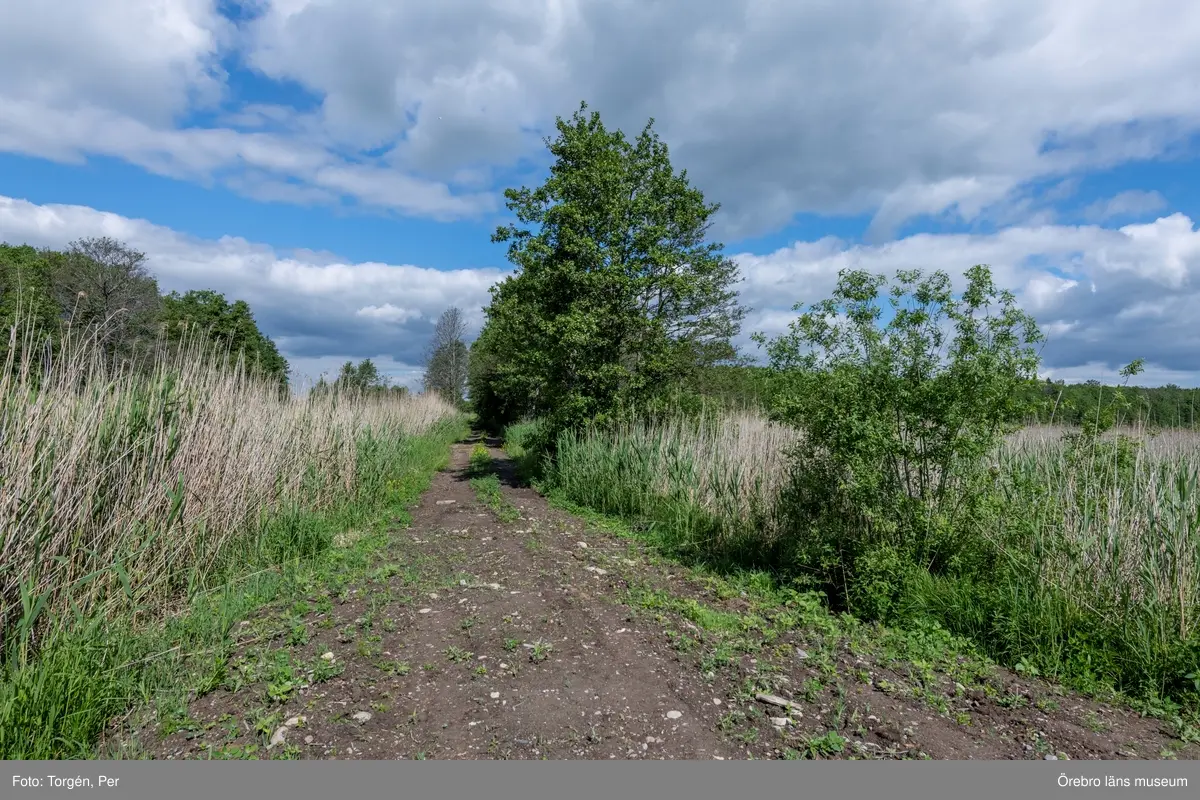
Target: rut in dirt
[497, 626]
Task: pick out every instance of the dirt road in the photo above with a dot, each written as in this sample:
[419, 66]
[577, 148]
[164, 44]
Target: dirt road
[544, 637]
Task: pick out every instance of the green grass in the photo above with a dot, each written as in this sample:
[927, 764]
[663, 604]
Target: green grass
[88, 670]
[540, 651]
[776, 607]
[699, 489]
[517, 438]
[486, 484]
[827, 744]
[457, 655]
[488, 490]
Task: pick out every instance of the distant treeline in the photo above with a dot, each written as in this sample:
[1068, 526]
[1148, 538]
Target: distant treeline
[1167, 406]
[362, 377]
[1050, 401]
[101, 288]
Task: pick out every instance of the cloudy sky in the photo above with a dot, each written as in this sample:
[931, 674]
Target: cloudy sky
[339, 163]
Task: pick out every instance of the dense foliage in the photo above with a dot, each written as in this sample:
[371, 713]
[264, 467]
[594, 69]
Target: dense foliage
[898, 421]
[231, 325]
[618, 295]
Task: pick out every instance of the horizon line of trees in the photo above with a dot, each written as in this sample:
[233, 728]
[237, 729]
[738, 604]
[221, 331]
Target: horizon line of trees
[102, 288]
[639, 330]
[1049, 400]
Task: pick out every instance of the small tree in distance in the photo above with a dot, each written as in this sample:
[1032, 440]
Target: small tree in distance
[447, 357]
[361, 378]
[104, 286]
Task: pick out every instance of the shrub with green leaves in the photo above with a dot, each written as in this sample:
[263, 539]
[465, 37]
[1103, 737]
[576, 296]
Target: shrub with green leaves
[898, 420]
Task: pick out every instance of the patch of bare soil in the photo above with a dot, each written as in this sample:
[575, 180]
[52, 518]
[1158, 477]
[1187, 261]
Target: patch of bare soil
[545, 637]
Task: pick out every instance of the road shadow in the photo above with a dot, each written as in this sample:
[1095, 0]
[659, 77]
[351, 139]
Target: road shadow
[507, 471]
[477, 437]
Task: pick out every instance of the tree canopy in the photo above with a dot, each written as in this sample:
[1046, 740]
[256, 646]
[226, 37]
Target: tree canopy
[26, 290]
[231, 325]
[617, 296]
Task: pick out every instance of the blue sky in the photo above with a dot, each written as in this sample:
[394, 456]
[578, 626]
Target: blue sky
[340, 165]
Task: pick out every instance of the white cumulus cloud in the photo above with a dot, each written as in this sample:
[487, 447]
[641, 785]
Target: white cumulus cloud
[1105, 297]
[388, 313]
[938, 107]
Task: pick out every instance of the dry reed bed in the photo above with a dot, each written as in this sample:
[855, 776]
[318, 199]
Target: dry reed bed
[1123, 528]
[112, 479]
[732, 466]
[1116, 539]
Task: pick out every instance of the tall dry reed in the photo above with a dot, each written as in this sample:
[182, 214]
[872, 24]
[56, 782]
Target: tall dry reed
[1117, 526]
[122, 484]
[713, 481]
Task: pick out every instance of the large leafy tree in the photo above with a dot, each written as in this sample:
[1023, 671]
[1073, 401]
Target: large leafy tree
[229, 325]
[617, 295]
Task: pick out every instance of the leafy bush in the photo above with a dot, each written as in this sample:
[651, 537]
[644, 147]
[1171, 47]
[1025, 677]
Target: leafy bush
[481, 460]
[898, 420]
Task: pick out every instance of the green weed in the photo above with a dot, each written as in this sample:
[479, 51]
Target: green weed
[488, 490]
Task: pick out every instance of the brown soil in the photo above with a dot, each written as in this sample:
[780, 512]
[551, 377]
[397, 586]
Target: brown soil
[522, 640]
